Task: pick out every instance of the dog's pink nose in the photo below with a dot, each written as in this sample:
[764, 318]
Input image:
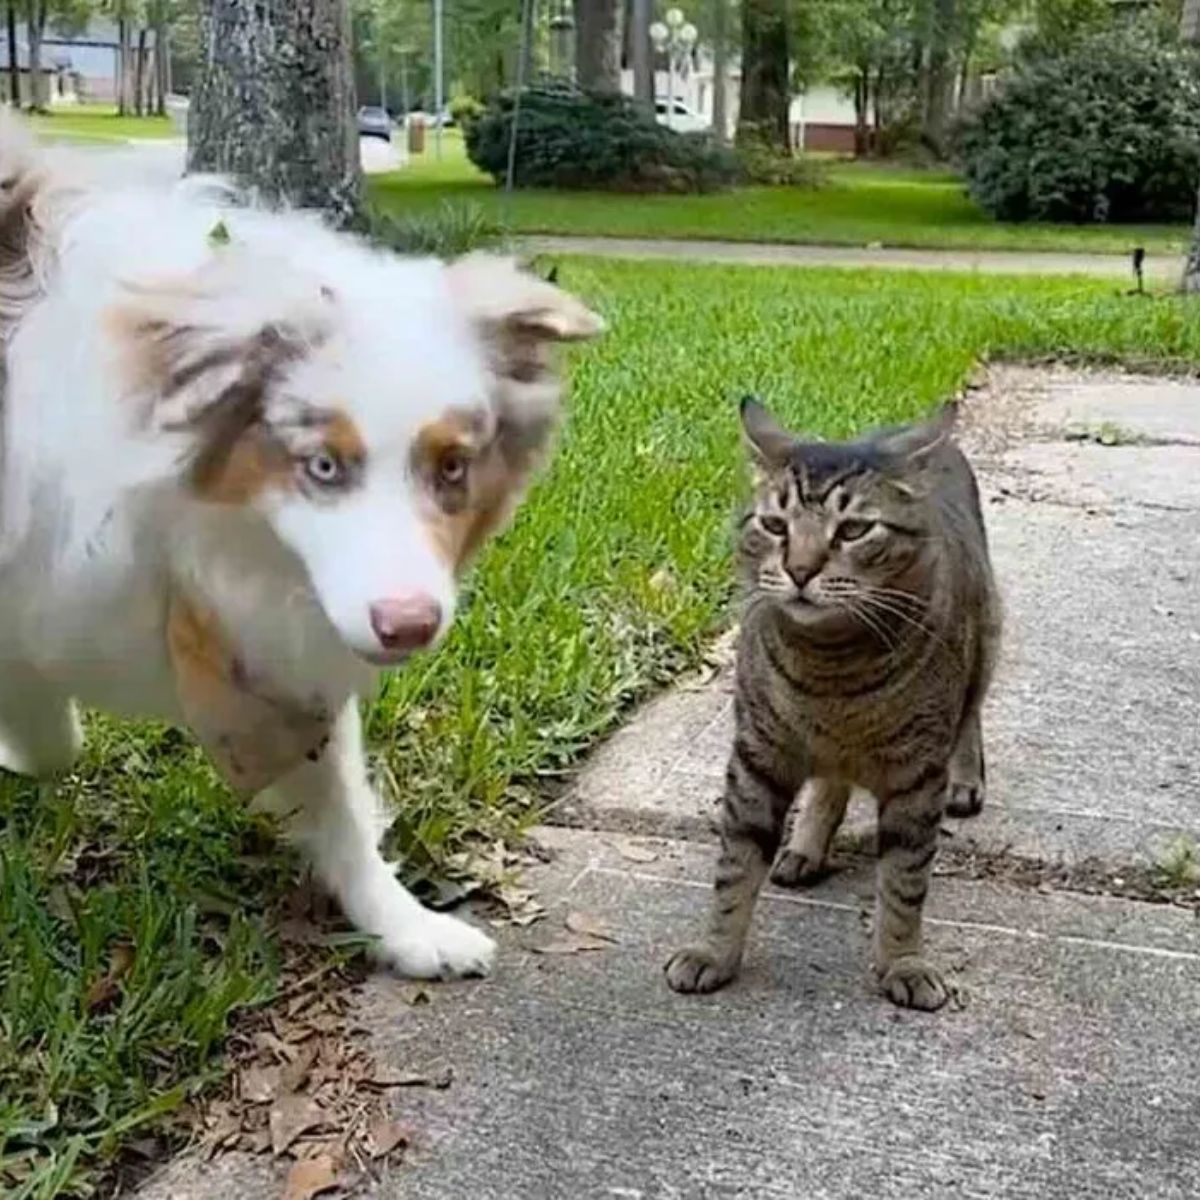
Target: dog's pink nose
[406, 622]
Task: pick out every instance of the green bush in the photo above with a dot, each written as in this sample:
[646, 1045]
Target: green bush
[572, 139]
[764, 164]
[1108, 131]
[448, 232]
[465, 109]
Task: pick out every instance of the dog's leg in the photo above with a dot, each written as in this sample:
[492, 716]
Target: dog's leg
[331, 814]
[40, 733]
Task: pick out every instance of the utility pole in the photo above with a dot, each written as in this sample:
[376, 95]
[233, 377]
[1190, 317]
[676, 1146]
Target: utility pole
[643, 67]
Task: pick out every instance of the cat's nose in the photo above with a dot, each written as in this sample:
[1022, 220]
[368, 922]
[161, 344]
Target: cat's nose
[800, 574]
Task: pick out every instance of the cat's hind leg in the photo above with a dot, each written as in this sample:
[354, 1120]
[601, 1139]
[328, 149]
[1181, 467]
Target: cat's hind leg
[40, 734]
[968, 771]
[817, 816]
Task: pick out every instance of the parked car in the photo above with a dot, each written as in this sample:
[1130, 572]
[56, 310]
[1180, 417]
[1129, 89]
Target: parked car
[374, 122]
[681, 118]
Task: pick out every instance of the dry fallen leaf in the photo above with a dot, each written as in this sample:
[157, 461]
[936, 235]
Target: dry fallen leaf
[388, 1135]
[106, 989]
[290, 1117]
[258, 1085]
[633, 852]
[296, 1073]
[310, 1177]
[573, 943]
[589, 926]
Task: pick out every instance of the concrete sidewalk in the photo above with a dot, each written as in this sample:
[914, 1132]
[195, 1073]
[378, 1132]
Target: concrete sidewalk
[1160, 269]
[1068, 1068]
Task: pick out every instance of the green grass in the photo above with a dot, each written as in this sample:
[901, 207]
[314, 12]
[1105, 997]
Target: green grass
[612, 581]
[862, 205]
[99, 123]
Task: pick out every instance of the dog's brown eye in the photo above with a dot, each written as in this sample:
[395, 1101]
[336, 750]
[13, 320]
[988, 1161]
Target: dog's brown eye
[775, 526]
[452, 470]
[325, 469]
[851, 531]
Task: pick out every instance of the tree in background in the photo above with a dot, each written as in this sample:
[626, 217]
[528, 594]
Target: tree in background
[1189, 33]
[274, 102]
[598, 42]
[766, 90]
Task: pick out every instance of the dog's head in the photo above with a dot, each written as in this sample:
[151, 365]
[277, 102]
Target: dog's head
[382, 415]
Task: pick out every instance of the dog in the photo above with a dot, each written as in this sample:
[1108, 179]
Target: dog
[244, 460]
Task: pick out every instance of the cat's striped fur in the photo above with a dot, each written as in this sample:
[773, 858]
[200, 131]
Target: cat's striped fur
[870, 627]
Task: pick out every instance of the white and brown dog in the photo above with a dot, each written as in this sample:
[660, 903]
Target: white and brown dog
[243, 460]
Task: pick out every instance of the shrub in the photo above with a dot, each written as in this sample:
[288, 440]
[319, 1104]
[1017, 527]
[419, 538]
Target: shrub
[572, 139]
[764, 164]
[465, 109]
[447, 232]
[1109, 131]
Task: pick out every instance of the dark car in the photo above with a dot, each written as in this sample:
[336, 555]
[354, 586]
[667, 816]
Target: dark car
[374, 122]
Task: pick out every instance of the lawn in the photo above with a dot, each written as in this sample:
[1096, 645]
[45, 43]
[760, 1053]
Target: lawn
[861, 205]
[99, 123]
[136, 898]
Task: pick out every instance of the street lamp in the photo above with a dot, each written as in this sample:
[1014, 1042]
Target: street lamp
[674, 36]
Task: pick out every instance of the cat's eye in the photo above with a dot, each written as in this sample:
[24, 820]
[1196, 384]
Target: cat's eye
[852, 531]
[325, 469]
[775, 526]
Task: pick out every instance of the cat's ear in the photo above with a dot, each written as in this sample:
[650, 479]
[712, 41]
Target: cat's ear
[915, 444]
[770, 445]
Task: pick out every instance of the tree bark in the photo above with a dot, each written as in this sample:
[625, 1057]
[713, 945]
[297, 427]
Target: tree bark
[124, 96]
[639, 53]
[274, 105]
[598, 45]
[720, 70]
[36, 28]
[1189, 33]
[139, 74]
[14, 63]
[765, 90]
[1189, 22]
[939, 78]
[162, 64]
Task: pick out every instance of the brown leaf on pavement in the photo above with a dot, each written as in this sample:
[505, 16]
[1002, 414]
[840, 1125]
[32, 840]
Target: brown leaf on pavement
[587, 925]
[310, 1177]
[290, 1117]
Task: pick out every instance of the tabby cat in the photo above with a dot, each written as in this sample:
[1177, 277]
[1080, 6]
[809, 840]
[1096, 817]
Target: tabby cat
[870, 627]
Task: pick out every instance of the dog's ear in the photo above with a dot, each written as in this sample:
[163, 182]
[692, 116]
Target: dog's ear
[520, 315]
[520, 319]
[197, 353]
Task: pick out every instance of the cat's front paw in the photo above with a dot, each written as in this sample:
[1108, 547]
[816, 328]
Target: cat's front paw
[913, 982]
[435, 946]
[795, 869]
[964, 799]
[698, 969]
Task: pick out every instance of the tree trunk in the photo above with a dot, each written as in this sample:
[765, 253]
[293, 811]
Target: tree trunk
[1189, 22]
[639, 52]
[720, 70]
[274, 105]
[124, 98]
[939, 78]
[765, 91]
[38, 98]
[862, 104]
[14, 63]
[598, 45]
[139, 74]
[1191, 270]
[162, 63]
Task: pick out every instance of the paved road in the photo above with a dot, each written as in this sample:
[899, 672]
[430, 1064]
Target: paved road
[1160, 269]
[1069, 1070]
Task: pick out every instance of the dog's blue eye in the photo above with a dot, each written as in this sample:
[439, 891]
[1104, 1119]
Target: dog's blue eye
[325, 469]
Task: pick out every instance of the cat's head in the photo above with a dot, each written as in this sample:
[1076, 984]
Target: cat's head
[841, 532]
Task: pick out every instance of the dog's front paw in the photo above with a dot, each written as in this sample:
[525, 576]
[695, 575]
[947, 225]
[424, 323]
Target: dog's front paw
[435, 946]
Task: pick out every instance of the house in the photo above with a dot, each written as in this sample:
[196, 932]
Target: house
[821, 117]
[81, 66]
